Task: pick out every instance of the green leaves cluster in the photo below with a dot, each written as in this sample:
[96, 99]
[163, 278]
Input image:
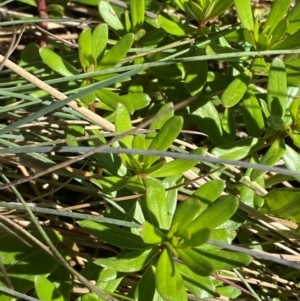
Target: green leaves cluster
[182, 235]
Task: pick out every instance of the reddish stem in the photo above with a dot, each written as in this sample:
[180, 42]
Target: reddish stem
[42, 8]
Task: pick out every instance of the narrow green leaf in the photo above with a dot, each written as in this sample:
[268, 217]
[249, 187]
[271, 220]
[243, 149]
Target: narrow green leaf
[209, 192]
[236, 89]
[45, 290]
[207, 119]
[57, 63]
[228, 124]
[99, 40]
[238, 150]
[113, 235]
[195, 76]
[293, 19]
[176, 167]
[197, 11]
[164, 138]
[185, 213]
[284, 203]
[145, 289]
[169, 283]
[110, 17]
[279, 31]
[291, 42]
[291, 159]
[85, 44]
[196, 239]
[277, 88]
[137, 9]
[225, 260]
[172, 27]
[151, 234]
[117, 52]
[253, 117]
[196, 262]
[216, 8]
[201, 287]
[245, 14]
[296, 139]
[111, 99]
[136, 100]
[123, 124]
[277, 13]
[73, 131]
[271, 157]
[215, 215]
[156, 202]
[128, 262]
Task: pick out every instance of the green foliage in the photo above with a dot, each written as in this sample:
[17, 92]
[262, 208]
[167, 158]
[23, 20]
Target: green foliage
[133, 67]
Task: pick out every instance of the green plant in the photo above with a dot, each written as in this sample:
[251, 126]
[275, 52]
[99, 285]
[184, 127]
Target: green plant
[162, 212]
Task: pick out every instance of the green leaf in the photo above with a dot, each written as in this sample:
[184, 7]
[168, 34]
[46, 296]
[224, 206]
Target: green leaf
[278, 10]
[224, 260]
[245, 14]
[137, 10]
[163, 114]
[151, 234]
[73, 131]
[176, 167]
[216, 8]
[112, 99]
[145, 289]
[228, 124]
[296, 140]
[164, 138]
[236, 89]
[279, 31]
[230, 292]
[185, 213]
[208, 121]
[128, 262]
[238, 150]
[215, 215]
[291, 42]
[85, 45]
[57, 63]
[293, 19]
[123, 124]
[291, 159]
[22, 262]
[169, 283]
[194, 240]
[155, 201]
[277, 88]
[172, 27]
[136, 100]
[284, 203]
[195, 76]
[99, 40]
[110, 17]
[117, 52]
[295, 110]
[253, 117]
[113, 235]
[201, 287]
[45, 290]
[109, 184]
[196, 262]
[272, 156]
[62, 281]
[209, 192]
[197, 11]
